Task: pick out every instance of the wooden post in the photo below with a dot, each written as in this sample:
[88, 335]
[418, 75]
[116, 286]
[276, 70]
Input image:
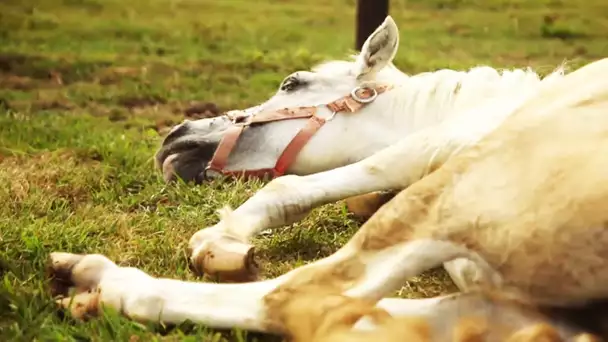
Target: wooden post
[370, 14]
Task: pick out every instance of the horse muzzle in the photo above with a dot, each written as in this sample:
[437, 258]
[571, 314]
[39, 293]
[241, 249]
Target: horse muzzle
[186, 151]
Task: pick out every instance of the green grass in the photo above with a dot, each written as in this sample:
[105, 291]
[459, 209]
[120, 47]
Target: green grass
[86, 86]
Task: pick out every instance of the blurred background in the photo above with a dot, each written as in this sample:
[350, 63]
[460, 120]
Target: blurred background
[89, 87]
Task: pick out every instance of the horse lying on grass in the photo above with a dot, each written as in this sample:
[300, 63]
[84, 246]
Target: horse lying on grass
[347, 129]
[525, 206]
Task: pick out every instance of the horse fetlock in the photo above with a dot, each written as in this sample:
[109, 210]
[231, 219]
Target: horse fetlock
[224, 258]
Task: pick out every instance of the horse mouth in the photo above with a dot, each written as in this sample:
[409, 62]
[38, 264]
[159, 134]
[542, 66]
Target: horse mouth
[187, 161]
[185, 153]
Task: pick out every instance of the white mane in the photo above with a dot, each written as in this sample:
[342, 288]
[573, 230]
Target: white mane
[429, 97]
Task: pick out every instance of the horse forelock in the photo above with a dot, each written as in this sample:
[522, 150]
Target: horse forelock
[430, 97]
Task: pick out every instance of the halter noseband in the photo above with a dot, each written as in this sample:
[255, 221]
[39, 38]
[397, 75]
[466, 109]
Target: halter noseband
[357, 99]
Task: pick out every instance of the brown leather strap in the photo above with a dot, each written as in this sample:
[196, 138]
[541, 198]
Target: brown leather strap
[296, 144]
[283, 114]
[257, 173]
[230, 138]
[220, 157]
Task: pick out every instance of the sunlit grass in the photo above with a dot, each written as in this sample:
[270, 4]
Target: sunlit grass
[87, 85]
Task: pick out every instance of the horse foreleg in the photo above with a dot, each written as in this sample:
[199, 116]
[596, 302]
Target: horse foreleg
[257, 306]
[103, 285]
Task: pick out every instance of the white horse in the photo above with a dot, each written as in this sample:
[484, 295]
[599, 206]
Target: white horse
[524, 203]
[421, 120]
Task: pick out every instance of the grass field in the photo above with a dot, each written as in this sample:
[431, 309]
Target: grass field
[86, 86]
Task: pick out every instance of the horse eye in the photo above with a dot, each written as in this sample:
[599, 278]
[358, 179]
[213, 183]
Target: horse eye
[290, 84]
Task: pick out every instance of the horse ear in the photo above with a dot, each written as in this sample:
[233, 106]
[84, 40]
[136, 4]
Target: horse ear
[378, 50]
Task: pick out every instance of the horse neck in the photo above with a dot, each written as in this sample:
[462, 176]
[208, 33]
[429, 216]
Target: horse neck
[427, 99]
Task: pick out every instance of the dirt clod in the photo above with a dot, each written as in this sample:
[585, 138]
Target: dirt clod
[132, 102]
[202, 110]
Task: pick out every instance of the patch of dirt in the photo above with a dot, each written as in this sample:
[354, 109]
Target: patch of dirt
[163, 126]
[9, 61]
[580, 51]
[132, 102]
[552, 28]
[202, 110]
[61, 104]
[113, 75]
[56, 72]
[8, 81]
[165, 116]
[117, 114]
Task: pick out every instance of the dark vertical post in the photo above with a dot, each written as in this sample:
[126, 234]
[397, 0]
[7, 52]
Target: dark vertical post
[370, 14]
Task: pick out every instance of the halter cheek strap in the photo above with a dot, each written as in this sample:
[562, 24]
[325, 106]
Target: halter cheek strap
[351, 103]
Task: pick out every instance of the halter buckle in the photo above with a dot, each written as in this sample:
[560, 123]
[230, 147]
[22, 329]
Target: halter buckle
[360, 99]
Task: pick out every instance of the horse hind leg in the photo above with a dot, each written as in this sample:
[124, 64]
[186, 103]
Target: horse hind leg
[386, 271]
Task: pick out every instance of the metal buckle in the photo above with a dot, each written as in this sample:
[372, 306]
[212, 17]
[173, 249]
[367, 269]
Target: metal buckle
[359, 99]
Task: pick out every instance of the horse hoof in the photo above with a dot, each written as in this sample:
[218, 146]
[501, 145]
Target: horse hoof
[59, 272]
[226, 260]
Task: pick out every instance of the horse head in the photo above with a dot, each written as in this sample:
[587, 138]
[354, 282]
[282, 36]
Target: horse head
[193, 148]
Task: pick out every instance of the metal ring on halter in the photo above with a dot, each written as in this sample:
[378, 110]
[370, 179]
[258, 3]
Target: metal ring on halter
[359, 99]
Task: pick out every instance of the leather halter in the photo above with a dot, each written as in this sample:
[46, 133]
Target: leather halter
[351, 103]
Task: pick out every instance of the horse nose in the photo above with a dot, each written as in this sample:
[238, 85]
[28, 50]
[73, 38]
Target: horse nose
[188, 148]
[166, 154]
[184, 166]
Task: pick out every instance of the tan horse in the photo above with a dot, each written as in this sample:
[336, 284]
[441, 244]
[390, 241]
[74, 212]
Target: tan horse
[525, 206]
